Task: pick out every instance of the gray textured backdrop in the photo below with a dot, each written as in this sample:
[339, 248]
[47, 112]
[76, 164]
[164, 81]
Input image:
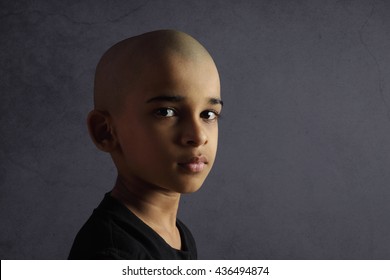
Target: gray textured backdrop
[304, 155]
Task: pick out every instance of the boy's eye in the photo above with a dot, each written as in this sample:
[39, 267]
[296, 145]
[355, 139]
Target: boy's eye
[165, 112]
[209, 115]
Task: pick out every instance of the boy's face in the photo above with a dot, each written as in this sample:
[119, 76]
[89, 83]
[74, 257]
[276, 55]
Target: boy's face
[168, 128]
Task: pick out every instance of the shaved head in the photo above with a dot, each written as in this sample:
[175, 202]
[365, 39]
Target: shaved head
[123, 66]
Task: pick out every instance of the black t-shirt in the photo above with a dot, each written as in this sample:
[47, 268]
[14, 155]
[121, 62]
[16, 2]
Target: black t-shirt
[114, 232]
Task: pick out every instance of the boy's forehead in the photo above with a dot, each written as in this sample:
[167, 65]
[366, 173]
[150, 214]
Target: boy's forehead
[174, 75]
[159, 86]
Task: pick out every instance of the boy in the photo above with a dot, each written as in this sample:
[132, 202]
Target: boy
[157, 103]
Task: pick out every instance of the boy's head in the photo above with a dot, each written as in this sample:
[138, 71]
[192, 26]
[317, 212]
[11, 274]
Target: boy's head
[157, 102]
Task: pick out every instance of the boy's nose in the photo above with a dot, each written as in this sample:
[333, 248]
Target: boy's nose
[193, 134]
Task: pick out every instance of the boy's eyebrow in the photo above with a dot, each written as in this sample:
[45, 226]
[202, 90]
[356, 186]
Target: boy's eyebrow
[177, 98]
[216, 101]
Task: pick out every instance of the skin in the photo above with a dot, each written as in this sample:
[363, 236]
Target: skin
[157, 102]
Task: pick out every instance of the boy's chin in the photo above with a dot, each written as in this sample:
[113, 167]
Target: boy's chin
[189, 187]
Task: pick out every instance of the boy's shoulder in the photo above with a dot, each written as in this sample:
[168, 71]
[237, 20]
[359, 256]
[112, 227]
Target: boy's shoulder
[114, 232]
[105, 235]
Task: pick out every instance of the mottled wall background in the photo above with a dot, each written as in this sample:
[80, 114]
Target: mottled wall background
[304, 155]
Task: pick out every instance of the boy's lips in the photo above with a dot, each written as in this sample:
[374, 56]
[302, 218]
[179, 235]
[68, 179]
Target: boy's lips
[194, 164]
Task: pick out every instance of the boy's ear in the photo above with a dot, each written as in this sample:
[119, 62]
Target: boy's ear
[101, 130]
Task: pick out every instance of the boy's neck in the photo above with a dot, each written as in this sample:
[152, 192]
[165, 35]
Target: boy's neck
[155, 206]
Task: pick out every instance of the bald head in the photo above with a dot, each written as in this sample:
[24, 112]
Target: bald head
[121, 67]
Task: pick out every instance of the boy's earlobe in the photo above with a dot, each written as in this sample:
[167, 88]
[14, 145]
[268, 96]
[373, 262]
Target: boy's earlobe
[100, 130]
